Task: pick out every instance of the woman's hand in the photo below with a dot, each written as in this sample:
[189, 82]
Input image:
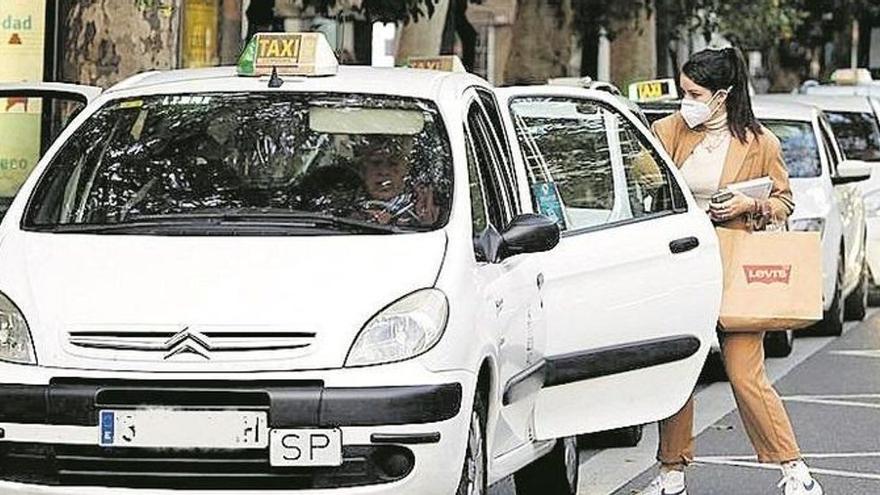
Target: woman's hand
[738, 205]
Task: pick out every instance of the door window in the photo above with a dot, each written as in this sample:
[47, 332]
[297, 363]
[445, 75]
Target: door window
[832, 151]
[29, 124]
[499, 193]
[479, 214]
[566, 149]
[651, 189]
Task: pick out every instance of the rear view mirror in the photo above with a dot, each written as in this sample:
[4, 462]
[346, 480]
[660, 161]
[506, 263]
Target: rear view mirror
[849, 171]
[529, 233]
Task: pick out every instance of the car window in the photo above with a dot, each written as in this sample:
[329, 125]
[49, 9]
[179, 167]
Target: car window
[486, 157]
[857, 133]
[799, 147]
[251, 163]
[588, 166]
[833, 155]
[487, 99]
[479, 214]
[28, 125]
[650, 185]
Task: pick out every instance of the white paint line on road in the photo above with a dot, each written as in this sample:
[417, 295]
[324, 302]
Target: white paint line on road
[609, 470]
[774, 467]
[872, 353]
[835, 455]
[830, 401]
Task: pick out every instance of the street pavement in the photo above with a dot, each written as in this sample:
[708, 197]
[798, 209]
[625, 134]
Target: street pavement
[831, 389]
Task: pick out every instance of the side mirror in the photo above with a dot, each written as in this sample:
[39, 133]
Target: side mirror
[529, 233]
[849, 171]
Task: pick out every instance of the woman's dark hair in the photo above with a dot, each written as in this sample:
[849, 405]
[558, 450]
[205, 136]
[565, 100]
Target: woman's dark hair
[721, 69]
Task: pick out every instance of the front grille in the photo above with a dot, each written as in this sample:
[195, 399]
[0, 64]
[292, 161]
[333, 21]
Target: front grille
[206, 469]
[202, 345]
[213, 341]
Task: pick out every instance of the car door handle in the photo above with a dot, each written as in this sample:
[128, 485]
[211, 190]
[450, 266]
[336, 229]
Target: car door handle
[684, 245]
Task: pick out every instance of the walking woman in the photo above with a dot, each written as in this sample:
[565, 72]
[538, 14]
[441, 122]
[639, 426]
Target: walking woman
[715, 140]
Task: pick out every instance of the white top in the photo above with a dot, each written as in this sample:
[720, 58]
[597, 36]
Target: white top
[702, 170]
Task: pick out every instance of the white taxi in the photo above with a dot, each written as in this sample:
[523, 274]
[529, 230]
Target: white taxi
[826, 201]
[225, 280]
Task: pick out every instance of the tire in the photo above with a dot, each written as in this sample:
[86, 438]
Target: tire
[856, 305]
[778, 344]
[713, 369]
[832, 320]
[554, 474]
[629, 436]
[474, 478]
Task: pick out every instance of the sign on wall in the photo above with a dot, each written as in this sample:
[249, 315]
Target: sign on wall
[22, 49]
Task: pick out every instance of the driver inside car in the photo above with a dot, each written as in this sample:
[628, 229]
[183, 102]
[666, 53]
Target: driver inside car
[388, 196]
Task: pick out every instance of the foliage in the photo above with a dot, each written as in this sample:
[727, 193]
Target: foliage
[379, 10]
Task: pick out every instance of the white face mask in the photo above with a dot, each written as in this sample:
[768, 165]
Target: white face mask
[696, 113]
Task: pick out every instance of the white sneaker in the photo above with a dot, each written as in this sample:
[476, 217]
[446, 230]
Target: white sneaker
[797, 480]
[667, 483]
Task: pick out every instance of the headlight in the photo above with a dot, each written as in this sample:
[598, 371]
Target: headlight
[808, 225]
[15, 337]
[872, 204]
[407, 328]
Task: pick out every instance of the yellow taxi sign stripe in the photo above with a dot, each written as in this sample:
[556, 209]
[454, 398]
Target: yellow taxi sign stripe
[654, 90]
[299, 54]
[445, 63]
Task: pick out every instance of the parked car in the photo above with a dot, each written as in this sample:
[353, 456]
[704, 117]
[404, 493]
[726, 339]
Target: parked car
[827, 200]
[212, 280]
[855, 120]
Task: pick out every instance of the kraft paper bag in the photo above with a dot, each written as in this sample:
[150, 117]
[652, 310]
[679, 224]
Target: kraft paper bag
[772, 280]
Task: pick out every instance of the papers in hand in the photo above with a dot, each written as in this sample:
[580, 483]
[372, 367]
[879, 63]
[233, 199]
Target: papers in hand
[755, 188]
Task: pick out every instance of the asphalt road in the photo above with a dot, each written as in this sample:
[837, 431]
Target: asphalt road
[831, 389]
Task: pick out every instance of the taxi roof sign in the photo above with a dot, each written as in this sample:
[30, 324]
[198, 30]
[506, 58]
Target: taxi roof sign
[653, 90]
[291, 54]
[445, 63]
[851, 77]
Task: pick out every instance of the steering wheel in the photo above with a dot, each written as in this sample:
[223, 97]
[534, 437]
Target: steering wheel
[400, 207]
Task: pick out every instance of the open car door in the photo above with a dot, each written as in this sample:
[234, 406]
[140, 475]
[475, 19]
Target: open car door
[32, 115]
[632, 291]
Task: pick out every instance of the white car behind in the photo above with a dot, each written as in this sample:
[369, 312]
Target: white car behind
[827, 200]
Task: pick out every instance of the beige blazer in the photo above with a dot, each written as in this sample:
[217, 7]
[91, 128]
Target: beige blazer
[760, 156]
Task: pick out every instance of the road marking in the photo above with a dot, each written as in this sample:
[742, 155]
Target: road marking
[836, 400]
[729, 461]
[834, 455]
[611, 469]
[872, 353]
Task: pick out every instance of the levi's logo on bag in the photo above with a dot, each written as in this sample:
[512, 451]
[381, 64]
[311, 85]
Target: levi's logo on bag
[767, 274]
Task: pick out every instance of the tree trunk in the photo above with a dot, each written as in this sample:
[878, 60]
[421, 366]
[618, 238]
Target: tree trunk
[104, 41]
[422, 38]
[541, 42]
[633, 51]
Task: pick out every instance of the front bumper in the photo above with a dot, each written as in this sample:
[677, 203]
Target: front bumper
[394, 437]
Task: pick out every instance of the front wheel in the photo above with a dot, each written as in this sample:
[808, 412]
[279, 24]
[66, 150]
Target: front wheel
[473, 473]
[554, 474]
[779, 344]
[832, 320]
[857, 302]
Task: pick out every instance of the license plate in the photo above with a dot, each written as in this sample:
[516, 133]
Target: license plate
[304, 447]
[166, 428]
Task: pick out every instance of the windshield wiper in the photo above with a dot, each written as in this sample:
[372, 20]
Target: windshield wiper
[271, 219]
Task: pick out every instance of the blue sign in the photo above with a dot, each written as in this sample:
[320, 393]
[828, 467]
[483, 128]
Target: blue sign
[108, 423]
[546, 196]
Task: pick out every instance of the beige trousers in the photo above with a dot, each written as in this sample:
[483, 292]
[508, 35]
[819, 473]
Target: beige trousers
[760, 408]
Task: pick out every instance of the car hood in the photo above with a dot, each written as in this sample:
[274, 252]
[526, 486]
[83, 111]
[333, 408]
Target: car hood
[208, 304]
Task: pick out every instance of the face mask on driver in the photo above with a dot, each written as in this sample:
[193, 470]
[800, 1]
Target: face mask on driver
[696, 113]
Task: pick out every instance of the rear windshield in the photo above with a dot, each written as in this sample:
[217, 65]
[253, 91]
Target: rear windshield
[799, 147]
[238, 164]
[857, 133]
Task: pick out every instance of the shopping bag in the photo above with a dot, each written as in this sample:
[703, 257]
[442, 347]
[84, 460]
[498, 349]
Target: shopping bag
[772, 280]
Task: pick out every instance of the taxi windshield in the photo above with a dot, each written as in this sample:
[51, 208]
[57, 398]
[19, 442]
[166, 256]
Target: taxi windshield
[857, 133]
[245, 163]
[799, 147]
